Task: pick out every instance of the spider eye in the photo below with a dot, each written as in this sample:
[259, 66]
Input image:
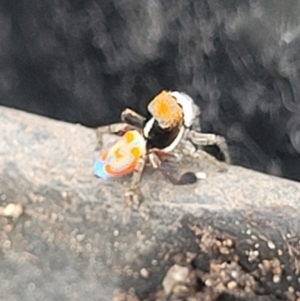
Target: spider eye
[166, 110]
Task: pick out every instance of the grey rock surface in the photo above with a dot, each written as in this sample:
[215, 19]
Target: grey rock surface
[77, 241]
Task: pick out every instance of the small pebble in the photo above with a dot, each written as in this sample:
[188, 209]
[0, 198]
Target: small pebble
[228, 243]
[176, 274]
[80, 237]
[64, 194]
[232, 285]
[12, 210]
[208, 283]
[291, 289]
[271, 245]
[144, 273]
[234, 274]
[289, 278]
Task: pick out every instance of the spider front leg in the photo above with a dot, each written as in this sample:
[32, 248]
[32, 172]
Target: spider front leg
[130, 121]
[113, 129]
[133, 118]
[204, 139]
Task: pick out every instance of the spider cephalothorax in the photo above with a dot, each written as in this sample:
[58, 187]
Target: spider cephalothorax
[173, 115]
[166, 124]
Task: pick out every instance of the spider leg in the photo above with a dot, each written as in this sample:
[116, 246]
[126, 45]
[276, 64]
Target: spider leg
[132, 118]
[204, 139]
[186, 178]
[133, 195]
[130, 121]
[137, 173]
[163, 156]
[115, 128]
[190, 150]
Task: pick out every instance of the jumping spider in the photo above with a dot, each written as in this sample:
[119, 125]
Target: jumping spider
[174, 121]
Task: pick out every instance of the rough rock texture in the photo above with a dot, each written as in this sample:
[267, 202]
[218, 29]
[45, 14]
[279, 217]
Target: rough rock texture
[233, 236]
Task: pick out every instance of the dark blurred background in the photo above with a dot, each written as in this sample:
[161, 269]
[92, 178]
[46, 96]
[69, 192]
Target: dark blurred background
[84, 61]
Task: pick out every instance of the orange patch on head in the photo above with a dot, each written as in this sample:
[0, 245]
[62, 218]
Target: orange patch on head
[166, 110]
